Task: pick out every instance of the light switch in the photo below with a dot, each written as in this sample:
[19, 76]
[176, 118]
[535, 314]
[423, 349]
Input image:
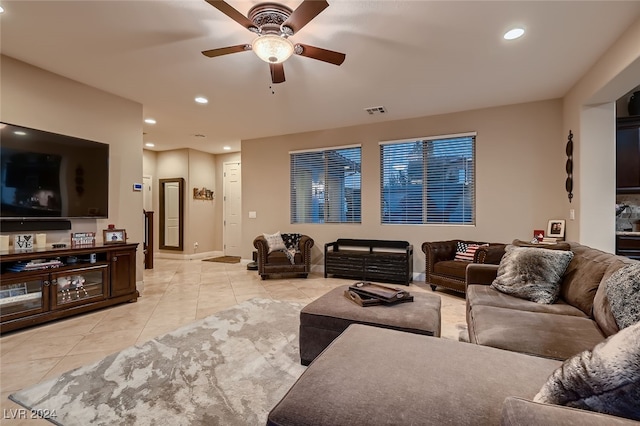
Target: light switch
[572, 214]
[252, 215]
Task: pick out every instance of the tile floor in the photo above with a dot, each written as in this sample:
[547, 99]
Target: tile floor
[175, 293]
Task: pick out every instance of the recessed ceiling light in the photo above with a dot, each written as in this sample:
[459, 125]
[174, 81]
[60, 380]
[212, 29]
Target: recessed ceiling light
[1, 9]
[150, 121]
[149, 144]
[226, 148]
[202, 100]
[513, 34]
[20, 133]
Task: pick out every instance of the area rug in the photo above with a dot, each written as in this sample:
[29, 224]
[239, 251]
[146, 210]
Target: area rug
[223, 259]
[228, 369]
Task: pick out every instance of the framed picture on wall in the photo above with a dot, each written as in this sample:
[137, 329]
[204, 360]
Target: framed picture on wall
[114, 236]
[555, 228]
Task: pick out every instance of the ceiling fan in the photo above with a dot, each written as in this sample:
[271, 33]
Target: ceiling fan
[274, 23]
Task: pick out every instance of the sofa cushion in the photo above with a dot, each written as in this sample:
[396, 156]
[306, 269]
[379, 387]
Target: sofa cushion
[451, 268]
[373, 376]
[532, 273]
[605, 379]
[274, 241]
[479, 294]
[524, 412]
[534, 333]
[623, 292]
[583, 276]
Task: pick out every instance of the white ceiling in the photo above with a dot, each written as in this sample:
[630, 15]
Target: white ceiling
[416, 58]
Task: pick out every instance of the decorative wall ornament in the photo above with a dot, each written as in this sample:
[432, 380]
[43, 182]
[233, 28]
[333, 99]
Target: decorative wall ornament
[569, 166]
[203, 194]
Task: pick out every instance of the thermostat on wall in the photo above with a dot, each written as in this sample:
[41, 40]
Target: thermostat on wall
[137, 187]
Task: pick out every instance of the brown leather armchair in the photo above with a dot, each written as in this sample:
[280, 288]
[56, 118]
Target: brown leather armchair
[443, 271]
[277, 262]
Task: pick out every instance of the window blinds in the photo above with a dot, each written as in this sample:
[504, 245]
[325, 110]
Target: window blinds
[325, 186]
[428, 181]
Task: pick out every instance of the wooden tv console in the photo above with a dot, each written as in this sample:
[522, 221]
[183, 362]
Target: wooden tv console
[43, 285]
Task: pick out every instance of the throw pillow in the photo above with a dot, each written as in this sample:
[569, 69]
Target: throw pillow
[605, 379]
[468, 253]
[292, 241]
[274, 241]
[532, 273]
[623, 292]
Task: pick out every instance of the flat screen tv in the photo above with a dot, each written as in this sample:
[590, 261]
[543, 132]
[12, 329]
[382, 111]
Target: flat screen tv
[47, 175]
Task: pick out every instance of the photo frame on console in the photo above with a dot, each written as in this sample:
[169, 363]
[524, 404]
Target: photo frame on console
[555, 228]
[114, 236]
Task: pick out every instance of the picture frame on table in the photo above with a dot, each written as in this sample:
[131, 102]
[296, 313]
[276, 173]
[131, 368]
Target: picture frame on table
[114, 236]
[555, 228]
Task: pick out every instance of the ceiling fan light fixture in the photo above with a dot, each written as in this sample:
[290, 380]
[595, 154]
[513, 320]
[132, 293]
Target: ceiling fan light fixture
[272, 48]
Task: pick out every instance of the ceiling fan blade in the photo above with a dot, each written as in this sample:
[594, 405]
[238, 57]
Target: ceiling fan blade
[226, 50]
[304, 13]
[233, 14]
[335, 58]
[277, 73]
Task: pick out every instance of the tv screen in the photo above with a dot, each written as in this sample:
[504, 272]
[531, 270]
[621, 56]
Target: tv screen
[49, 175]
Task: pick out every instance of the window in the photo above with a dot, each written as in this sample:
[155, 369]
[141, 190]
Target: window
[428, 181]
[325, 186]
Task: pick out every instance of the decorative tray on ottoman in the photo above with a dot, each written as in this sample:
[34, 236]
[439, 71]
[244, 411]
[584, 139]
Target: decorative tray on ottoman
[370, 294]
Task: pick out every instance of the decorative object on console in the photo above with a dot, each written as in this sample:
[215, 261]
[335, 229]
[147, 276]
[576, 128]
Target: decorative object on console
[605, 379]
[83, 239]
[569, 166]
[4, 242]
[532, 273]
[23, 241]
[41, 240]
[114, 236]
[623, 292]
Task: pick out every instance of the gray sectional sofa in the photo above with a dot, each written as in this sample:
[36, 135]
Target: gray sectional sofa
[578, 320]
[374, 376]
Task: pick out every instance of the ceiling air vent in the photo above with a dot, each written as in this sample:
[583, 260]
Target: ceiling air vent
[376, 110]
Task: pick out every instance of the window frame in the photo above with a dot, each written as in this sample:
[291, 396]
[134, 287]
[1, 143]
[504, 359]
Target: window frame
[467, 176]
[316, 206]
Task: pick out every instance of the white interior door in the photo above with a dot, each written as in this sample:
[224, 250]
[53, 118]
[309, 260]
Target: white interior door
[147, 193]
[232, 200]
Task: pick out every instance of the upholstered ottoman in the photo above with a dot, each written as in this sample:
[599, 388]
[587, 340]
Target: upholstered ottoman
[324, 319]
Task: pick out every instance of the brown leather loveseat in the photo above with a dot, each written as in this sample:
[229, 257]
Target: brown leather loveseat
[442, 270]
[277, 262]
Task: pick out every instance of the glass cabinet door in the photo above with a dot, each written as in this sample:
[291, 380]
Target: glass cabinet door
[23, 296]
[77, 286]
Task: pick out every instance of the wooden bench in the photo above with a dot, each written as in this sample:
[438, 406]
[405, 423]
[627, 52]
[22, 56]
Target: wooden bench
[369, 260]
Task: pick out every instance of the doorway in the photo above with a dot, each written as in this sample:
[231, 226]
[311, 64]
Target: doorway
[232, 204]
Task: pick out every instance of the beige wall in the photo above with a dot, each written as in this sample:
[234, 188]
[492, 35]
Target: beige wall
[201, 220]
[520, 177]
[36, 98]
[589, 111]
